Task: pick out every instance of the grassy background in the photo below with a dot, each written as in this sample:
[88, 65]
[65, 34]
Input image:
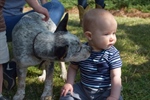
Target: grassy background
[133, 43]
[142, 5]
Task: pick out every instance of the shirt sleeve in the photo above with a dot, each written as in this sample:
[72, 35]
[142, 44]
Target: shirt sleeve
[115, 60]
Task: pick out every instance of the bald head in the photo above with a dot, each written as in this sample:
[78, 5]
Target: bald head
[98, 19]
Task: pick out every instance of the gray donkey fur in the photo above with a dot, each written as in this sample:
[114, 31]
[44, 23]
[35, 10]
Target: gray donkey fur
[34, 41]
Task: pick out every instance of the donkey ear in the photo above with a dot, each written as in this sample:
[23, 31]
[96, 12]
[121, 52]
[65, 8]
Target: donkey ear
[63, 24]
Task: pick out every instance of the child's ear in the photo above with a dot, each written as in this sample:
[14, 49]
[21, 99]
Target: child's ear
[88, 35]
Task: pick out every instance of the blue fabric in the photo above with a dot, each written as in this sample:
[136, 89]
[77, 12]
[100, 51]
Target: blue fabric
[13, 7]
[100, 2]
[84, 3]
[55, 8]
[95, 71]
[83, 93]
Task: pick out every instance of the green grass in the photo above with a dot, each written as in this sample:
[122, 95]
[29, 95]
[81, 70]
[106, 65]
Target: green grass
[142, 5]
[133, 43]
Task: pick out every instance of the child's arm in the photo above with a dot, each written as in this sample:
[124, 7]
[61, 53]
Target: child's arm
[115, 84]
[72, 70]
[38, 8]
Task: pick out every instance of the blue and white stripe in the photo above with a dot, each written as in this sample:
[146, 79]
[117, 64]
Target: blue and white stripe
[95, 71]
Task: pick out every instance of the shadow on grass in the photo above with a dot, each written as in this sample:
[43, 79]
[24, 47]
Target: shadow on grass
[33, 90]
[135, 70]
[34, 87]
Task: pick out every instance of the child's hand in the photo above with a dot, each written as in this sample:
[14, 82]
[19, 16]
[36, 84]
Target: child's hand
[43, 11]
[66, 88]
[111, 98]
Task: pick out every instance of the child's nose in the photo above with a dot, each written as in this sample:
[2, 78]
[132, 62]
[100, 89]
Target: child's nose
[112, 37]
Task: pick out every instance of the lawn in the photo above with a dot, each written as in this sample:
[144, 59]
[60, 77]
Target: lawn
[133, 43]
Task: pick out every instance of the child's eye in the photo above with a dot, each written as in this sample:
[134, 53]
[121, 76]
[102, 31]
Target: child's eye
[114, 33]
[106, 34]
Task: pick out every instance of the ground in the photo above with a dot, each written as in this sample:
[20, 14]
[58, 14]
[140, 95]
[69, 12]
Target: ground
[122, 12]
[132, 13]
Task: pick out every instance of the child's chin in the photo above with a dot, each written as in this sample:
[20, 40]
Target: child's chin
[108, 47]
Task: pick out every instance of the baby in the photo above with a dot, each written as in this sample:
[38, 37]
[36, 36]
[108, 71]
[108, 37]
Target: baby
[101, 72]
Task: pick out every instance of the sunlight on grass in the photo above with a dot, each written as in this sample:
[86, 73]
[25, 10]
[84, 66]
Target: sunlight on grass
[133, 43]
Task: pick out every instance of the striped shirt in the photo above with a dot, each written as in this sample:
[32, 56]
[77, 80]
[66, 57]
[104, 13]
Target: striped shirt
[2, 22]
[95, 71]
